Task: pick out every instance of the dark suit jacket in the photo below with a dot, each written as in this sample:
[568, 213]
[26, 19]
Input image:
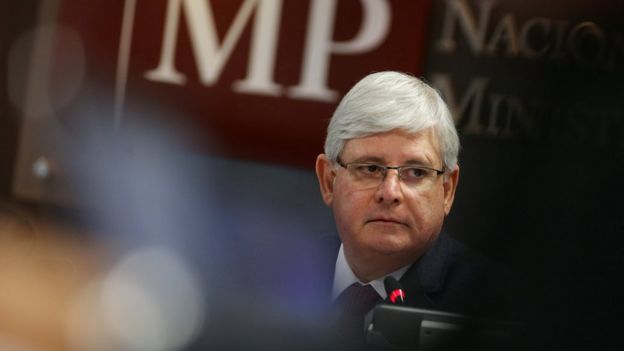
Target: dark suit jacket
[281, 296]
[454, 278]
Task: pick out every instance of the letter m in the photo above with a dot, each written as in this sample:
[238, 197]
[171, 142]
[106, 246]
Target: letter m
[211, 55]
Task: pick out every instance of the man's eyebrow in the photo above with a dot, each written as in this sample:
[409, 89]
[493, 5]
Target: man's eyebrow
[382, 161]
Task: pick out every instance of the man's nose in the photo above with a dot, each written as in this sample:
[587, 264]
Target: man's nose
[389, 191]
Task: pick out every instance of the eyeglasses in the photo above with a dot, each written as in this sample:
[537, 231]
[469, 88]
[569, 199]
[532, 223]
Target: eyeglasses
[371, 175]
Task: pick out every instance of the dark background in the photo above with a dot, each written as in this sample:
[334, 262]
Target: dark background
[16, 18]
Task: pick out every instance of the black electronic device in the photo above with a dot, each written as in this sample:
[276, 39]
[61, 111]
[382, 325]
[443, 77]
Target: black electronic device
[393, 327]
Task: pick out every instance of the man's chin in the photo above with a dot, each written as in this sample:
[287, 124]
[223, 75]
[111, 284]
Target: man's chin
[390, 246]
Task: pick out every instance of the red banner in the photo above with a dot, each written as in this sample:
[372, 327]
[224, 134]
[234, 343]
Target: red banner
[254, 79]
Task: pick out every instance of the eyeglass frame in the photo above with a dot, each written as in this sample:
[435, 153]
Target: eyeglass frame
[385, 168]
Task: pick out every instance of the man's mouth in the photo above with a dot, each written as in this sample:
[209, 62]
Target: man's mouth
[386, 220]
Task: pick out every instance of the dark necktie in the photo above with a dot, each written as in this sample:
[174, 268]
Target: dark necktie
[352, 305]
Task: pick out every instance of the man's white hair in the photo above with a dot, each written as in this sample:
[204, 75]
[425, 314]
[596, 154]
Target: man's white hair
[385, 101]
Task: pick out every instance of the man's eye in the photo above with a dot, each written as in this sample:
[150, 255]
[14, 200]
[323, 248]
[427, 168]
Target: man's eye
[369, 169]
[414, 173]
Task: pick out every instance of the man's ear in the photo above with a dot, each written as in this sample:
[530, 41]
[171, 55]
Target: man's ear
[326, 175]
[450, 185]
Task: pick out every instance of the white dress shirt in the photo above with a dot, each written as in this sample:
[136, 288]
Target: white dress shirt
[344, 277]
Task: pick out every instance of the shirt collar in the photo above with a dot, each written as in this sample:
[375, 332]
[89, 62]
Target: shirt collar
[344, 277]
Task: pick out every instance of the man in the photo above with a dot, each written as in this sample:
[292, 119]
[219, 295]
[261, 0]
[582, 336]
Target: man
[389, 173]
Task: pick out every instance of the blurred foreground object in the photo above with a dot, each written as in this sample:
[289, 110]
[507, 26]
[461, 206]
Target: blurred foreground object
[60, 293]
[41, 269]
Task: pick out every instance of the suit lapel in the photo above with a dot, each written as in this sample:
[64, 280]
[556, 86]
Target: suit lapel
[428, 274]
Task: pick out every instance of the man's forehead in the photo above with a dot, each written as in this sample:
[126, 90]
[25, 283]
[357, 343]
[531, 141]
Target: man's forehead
[426, 138]
[410, 147]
